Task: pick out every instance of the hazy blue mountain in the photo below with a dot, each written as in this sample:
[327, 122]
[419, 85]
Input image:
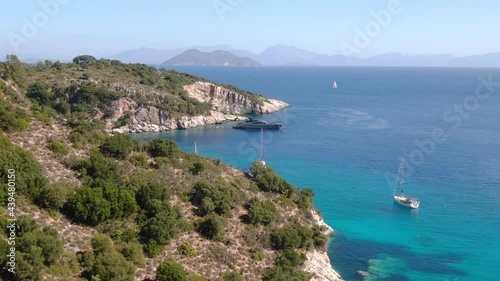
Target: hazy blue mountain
[487, 60]
[218, 57]
[293, 56]
[290, 55]
[396, 59]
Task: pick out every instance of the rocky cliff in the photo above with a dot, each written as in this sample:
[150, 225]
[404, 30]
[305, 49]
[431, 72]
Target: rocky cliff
[227, 105]
[317, 262]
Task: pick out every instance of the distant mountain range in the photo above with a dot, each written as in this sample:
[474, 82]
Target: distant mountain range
[218, 57]
[290, 55]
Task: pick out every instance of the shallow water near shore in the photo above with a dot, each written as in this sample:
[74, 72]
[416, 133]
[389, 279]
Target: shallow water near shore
[345, 144]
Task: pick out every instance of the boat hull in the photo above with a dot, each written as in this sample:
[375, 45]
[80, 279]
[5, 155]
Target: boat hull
[407, 202]
[258, 126]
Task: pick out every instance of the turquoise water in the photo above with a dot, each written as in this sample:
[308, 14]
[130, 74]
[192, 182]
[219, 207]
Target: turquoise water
[345, 144]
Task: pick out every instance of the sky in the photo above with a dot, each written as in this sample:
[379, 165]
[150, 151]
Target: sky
[62, 29]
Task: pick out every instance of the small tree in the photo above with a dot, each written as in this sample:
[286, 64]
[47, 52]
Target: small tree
[170, 271]
[232, 276]
[118, 146]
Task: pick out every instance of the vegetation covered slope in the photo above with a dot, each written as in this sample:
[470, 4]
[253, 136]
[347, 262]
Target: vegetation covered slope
[96, 207]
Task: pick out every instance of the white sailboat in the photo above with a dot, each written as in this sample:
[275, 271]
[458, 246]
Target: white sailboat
[195, 149]
[402, 198]
[334, 86]
[261, 160]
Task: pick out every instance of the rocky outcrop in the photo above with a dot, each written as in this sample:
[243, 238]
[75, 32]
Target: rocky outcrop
[227, 106]
[317, 261]
[230, 102]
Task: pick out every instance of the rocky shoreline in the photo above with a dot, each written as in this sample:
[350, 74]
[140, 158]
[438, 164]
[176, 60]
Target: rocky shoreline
[317, 261]
[227, 106]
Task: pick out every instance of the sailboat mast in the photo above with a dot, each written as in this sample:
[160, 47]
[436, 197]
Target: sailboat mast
[403, 172]
[261, 144]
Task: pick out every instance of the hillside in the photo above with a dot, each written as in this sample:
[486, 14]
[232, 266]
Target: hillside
[95, 206]
[215, 58]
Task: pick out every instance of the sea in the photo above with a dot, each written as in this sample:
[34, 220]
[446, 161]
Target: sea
[346, 145]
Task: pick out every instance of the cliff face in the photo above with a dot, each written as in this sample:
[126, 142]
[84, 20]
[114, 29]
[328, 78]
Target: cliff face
[230, 102]
[227, 105]
[317, 262]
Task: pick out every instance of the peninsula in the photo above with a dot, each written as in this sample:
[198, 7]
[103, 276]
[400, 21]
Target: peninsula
[91, 205]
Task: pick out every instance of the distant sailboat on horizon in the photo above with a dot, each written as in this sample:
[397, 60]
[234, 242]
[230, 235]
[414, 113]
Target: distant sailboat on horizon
[334, 86]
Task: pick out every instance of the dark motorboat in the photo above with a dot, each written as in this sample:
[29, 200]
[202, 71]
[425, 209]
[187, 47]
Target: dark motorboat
[258, 124]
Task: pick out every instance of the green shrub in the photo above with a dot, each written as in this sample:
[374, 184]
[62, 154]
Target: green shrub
[306, 197]
[139, 160]
[52, 197]
[269, 181]
[292, 236]
[262, 212]
[88, 205]
[198, 167]
[232, 276]
[212, 227]
[117, 146]
[161, 227]
[105, 263]
[163, 148]
[152, 248]
[280, 273]
[58, 148]
[13, 118]
[170, 271]
[133, 253]
[215, 196]
[194, 277]
[187, 249]
[257, 255]
[290, 258]
[30, 178]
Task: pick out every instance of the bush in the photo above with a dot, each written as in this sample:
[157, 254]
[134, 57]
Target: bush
[212, 227]
[257, 255]
[139, 160]
[187, 249]
[88, 205]
[306, 197]
[194, 277]
[12, 118]
[58, 148]
[262, 212]
[290, 258]
[198, 167]
[30, 178]
[293, 236]
[215, 196]
[163, 148]
[280, 273]
[152, 248]
[117, 146]
[133, 253]
[170, 271]
[232, 276]
[162, 227]
[52, 197]
[269, 181]
[105, 263]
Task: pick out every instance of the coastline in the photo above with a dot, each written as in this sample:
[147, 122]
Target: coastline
[317, 262]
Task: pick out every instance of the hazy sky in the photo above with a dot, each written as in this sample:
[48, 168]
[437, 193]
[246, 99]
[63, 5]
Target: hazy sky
[62, 29]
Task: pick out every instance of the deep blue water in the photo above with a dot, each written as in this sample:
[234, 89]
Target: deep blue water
[345, 144]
